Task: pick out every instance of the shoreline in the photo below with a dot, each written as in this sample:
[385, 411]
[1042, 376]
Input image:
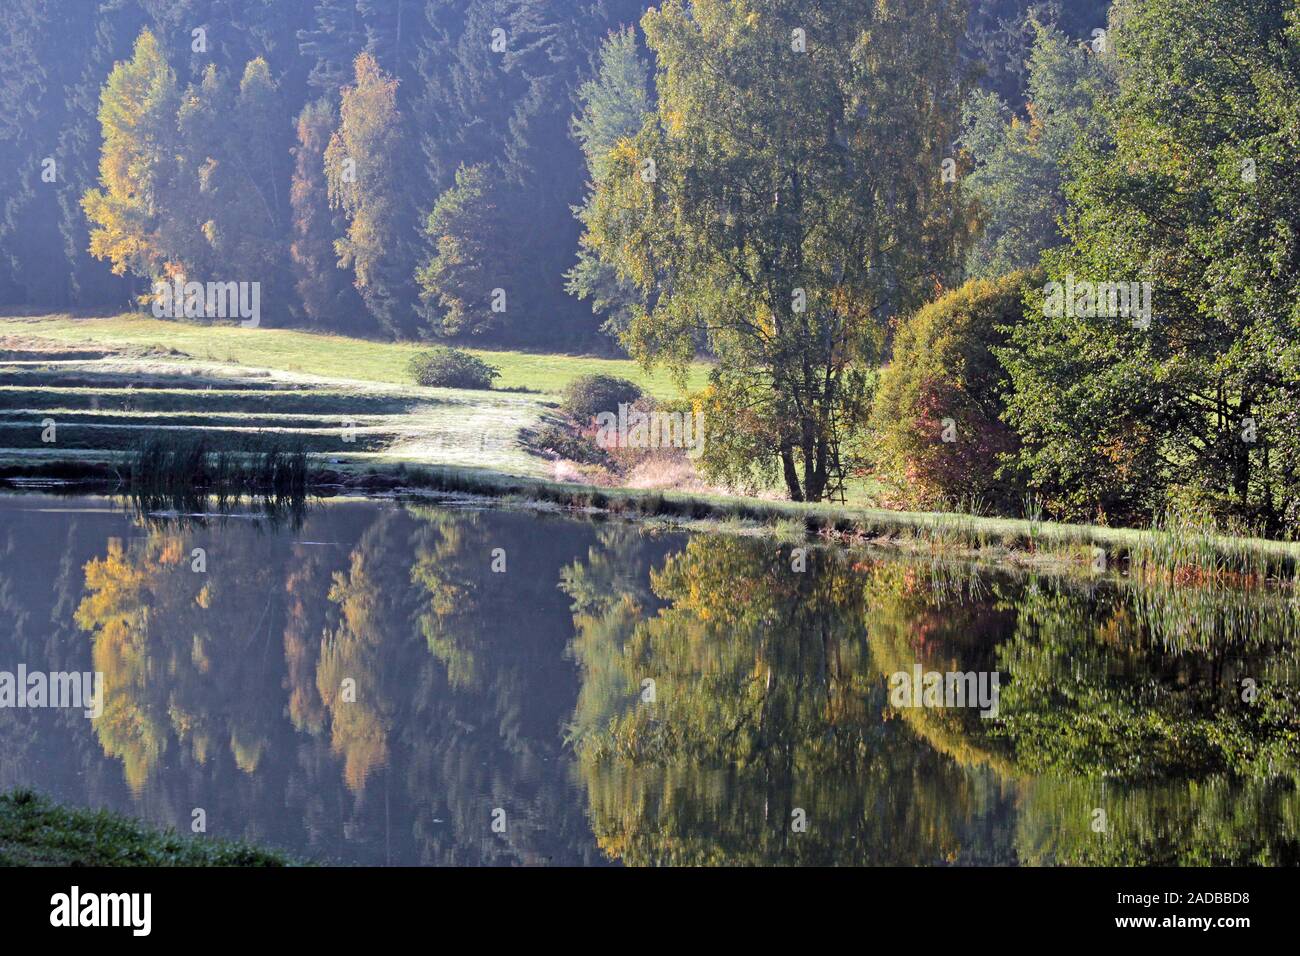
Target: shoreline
[1188, 556]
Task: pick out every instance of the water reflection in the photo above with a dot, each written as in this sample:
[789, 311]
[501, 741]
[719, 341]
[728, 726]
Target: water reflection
[379, 683]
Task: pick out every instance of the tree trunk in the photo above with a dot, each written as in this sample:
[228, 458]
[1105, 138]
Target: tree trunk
[807, 445]
[791, 474]
[1241, 479]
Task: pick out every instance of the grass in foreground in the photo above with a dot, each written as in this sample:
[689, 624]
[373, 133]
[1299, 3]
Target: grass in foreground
[37, 832]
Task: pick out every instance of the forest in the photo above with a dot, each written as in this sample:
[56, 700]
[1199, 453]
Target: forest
[1013, 258]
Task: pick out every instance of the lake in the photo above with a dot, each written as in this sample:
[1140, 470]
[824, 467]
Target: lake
[383, 682]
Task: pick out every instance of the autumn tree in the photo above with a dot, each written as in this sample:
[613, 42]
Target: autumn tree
[224, 216]
[365, 165]
[782, 204]
[138, 115]
[326, 297]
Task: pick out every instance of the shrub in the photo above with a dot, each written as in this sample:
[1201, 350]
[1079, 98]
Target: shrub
[589, 395]
[444, 367]
[936, 433]
[565, 442]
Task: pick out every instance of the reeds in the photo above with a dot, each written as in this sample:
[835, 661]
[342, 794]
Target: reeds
[186, 469]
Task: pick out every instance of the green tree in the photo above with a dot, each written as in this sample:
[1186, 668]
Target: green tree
[1192, 189]
[1017, 179]
[786, 251]
[332, 41]
[460, 276]
[498, 79]
[1000, 36]
[615, 105]
[936, 423]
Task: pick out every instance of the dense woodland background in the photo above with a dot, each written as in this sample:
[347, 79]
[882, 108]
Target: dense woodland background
[508, 118]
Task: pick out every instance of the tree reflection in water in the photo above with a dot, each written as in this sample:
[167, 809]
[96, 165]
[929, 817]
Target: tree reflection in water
[364, 687]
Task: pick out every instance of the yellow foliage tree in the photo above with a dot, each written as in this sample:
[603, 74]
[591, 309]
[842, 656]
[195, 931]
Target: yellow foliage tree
[137, 113]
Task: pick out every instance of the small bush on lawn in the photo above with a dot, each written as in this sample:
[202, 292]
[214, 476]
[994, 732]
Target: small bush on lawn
[589, 395]
[444, 367]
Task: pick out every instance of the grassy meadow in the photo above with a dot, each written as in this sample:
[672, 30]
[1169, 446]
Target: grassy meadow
[110, 383]
[333, 356]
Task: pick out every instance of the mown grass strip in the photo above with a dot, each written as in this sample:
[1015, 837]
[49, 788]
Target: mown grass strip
[316, 401]
[183, 377]
[19, 435]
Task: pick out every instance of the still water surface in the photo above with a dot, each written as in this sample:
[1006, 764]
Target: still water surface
[361, 686]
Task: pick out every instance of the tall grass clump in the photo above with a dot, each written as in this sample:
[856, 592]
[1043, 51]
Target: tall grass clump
[1191, 547]
[184, 469]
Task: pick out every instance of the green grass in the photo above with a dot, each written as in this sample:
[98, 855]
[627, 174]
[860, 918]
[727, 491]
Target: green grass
[79, 436]
[37, 832]
[223, 401]
[327, 355]
[104, 405]
[207, 419]
[105, 380]
[941, 534]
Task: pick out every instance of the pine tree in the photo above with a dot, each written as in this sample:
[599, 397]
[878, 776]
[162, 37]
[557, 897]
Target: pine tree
[503, 103]
[53, 59]
[1000, 36]
[471, 297]
[24, 141]
[615, 105]
[332, 41]
[394, 33]
[1019, 163]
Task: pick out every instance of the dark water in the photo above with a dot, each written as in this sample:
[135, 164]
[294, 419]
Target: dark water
[363, 687]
